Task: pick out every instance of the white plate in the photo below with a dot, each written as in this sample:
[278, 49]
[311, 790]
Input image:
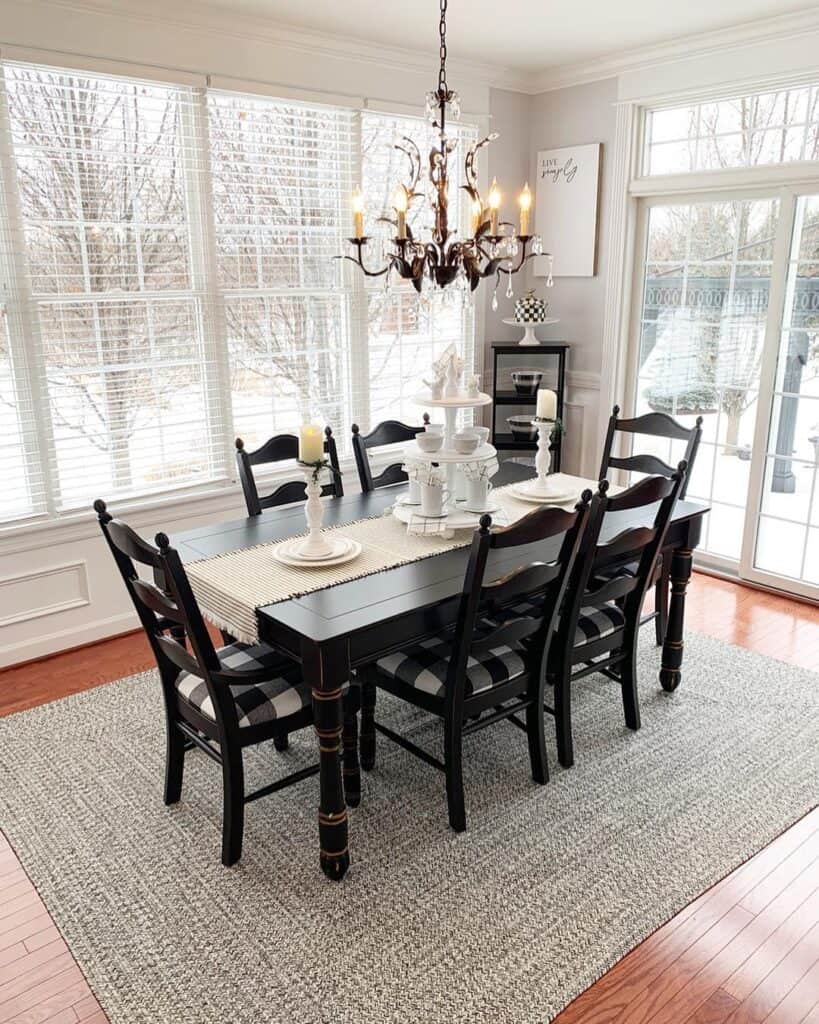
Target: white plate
[404, 500]
[345, 550]
[556, 498]
[478, 511]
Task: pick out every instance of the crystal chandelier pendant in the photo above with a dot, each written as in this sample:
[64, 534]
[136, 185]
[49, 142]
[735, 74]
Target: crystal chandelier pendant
[495, 300]
[550, 281]
[509, 290]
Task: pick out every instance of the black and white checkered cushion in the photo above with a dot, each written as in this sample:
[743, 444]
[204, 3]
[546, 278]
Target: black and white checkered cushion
[283, 694]
[425, 667]
[595, 623]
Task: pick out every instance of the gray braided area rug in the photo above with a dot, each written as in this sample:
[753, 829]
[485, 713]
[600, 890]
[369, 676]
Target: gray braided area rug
[507, 922]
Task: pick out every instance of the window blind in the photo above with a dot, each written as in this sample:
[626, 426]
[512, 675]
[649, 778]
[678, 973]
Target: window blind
[103, 172]
[282, 179]
[169, 281]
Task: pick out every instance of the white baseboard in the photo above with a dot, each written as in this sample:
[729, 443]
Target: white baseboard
[63, 639]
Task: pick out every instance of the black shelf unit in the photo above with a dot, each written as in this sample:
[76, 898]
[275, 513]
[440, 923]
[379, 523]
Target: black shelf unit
[508, 356]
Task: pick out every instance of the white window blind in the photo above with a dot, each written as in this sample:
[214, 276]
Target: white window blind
[282, 180]
[169, 281]
[102, 168]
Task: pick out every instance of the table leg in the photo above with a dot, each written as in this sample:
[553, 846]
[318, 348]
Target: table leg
[671, 671]
[326, 669]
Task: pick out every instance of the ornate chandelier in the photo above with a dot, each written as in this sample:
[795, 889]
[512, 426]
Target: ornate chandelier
[493, 248]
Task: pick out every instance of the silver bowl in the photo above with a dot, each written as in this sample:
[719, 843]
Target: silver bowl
[522, 428]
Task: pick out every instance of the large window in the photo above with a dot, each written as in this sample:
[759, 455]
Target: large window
[169, 282]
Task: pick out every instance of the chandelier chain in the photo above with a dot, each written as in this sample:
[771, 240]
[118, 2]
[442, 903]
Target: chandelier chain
[443, 88]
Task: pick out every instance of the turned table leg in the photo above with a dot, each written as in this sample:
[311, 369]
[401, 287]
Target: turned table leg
[326, 669]
[671, 665]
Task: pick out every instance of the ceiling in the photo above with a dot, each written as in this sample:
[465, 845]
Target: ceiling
[525, 35]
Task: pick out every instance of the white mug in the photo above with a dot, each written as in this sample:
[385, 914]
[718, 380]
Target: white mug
[477, 493]
[433, 499]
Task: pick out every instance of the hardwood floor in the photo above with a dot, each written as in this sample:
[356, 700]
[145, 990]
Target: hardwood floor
[745, 952]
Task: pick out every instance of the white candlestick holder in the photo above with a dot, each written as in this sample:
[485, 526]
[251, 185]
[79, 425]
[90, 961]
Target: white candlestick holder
[315, 544]
[542, 485]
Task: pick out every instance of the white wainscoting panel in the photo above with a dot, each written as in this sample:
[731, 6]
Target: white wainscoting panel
[44, 591]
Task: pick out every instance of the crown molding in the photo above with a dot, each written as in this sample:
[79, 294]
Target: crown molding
[206, 20]
[713, 43]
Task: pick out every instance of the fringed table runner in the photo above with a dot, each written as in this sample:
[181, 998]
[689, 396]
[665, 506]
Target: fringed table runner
[231, 586]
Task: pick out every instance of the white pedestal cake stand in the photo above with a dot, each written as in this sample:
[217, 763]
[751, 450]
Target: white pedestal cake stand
[447, 456]
[529, 338]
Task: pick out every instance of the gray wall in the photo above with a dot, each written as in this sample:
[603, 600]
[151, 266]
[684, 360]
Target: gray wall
[569, 117]
[564, 117]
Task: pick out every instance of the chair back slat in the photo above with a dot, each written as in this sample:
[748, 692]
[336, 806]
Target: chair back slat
[281, 448]
[641, 464]
[386, 432]
[518, 584]
[542, 583]
[624, 547]
[530, 528]
[644, 492]
[611, 590]
[652, 424]
[655, 424]
[177, 654]
[132, 546]
[157, 600]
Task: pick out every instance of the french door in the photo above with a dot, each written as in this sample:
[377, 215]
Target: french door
[726, 317]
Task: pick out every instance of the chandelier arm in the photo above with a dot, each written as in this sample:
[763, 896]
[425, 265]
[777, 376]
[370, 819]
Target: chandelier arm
[360, 264]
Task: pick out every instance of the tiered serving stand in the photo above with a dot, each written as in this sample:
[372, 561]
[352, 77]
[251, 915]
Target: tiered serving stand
[456, 517]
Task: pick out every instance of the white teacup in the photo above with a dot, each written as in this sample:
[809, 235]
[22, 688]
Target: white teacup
[483, 434]
[477, 493]
[434, 428]
[433, 499]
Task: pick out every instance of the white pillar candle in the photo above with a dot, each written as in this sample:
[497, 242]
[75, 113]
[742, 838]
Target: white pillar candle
[311, 443]
[546, 404]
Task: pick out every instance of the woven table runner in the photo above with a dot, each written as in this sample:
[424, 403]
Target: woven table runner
[231, 586]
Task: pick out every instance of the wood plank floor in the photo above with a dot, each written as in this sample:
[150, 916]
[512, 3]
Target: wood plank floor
[745, 952]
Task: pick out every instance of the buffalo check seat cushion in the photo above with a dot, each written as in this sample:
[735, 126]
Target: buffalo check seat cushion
[425, 665]
[593, 624]
[283, 694]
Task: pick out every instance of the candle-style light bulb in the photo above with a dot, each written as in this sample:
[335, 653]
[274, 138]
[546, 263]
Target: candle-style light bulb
[477, 215]
[494, 206]
[358, 213]
[401, 203]
[525, 202]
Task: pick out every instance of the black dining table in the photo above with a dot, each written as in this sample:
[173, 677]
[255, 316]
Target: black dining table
[331, 631]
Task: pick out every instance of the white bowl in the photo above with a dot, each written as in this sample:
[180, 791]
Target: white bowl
[429, 442]
[465, 442]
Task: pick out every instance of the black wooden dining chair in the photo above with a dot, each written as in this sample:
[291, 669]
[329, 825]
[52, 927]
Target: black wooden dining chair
[652, 424]
[600, 621]
[279, 449]
[490, 666]
[388, 432]
[216, 700]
